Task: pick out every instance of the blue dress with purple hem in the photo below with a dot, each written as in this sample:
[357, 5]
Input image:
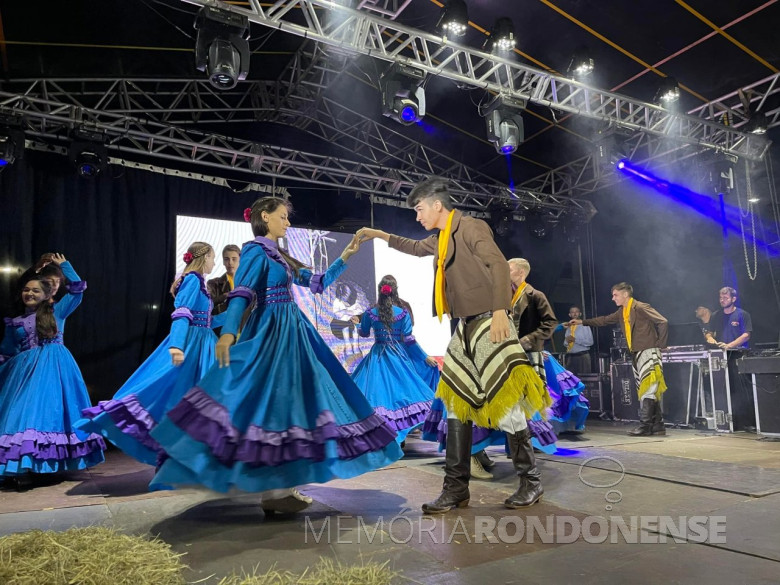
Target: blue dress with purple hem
[157, 385]
[388, 378]
[284, 412]
[41, 392]
[570, 406]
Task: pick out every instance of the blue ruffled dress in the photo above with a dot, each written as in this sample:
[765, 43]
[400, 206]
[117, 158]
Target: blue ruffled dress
[284, 412]
[157, 385]
[570, 406]
[42, 393]
[387, 376]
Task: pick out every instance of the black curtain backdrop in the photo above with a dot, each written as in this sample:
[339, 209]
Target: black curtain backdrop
[119, 233]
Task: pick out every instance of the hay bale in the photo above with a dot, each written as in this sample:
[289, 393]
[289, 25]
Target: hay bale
[326, 572]
[87, 556]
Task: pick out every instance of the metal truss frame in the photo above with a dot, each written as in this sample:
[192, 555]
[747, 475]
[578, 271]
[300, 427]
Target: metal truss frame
[141, 139]
[360, 32]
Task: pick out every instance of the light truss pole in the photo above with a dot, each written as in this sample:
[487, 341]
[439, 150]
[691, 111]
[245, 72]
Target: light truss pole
[146, 139]
[330, 23]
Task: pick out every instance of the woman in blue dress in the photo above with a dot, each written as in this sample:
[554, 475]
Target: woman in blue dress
[278, 410]
[386, 375]
[41, 388]
[177, 364]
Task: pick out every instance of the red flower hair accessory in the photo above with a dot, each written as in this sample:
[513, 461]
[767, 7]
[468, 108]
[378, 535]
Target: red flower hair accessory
[248, 214]
[386, 289]
[187, 257]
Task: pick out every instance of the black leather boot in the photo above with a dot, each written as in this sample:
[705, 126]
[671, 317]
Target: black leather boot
[530, 489]
[486, 462]
[646, 412]
[659, 428]
[457, 470]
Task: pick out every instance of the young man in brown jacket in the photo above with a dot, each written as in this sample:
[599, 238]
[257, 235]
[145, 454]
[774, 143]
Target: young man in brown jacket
[486, 377]
[646, 332]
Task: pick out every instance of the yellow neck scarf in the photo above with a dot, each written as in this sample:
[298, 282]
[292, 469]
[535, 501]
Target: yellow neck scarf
[438, 290]
[230, 281]
[572, 329]
[626, 320]
[518, 292]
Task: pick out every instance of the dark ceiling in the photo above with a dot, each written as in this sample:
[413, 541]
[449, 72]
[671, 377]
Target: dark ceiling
[712, 47]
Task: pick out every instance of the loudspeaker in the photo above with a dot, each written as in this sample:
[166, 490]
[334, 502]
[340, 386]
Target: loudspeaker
[625, 402]
[767, 395]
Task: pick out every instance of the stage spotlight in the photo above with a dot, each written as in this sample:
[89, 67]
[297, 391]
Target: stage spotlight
[502, 216]
[88, 152]
[11, 146]
[621, 164]
[504, 123]
[454, 18]
[403, 97]
[502, 36]
[668, 91]
[757, 123]
[581, 65]
[221, 48]
[611, 150]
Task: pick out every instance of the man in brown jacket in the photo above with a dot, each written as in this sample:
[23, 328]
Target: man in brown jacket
[220, 287]
[646, 332]
[486, 376]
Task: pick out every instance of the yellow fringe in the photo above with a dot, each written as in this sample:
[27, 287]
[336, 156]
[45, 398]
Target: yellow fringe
[524, 386]
[655, 376]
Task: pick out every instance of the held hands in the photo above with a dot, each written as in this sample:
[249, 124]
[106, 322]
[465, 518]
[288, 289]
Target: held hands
[365, 234]
[524, 341]
[57, 259]
[431, 362]
[223, 349]
[352, 247]
[573, 322]
[177, 356]
[569, 339]
[355, 319]
[499, 327]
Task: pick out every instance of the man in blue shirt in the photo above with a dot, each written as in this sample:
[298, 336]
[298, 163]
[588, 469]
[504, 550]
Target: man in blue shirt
[578, 340]
[729, 328]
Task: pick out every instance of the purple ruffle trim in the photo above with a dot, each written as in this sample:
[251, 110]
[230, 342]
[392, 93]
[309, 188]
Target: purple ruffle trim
[207, 421]
[182, 312]
[244, 292]
[129, 416]
[543, 432]
[76, 288]
[567, 380]
[406, 417]
[432, 420]
[47, 445]
[409, 339]
[317, 283]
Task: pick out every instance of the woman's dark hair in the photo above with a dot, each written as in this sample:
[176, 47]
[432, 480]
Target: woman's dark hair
[260, 228]
[385, 302]
[45, 324]
[39, 271]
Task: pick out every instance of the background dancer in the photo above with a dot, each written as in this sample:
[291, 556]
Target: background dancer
[177, 364]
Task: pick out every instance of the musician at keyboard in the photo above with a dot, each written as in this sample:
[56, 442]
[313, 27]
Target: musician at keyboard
[729, 328]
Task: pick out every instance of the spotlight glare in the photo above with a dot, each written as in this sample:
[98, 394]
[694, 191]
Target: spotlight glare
[621, 164]
[454, 18]
[502, 36]
[754, 200]
[757, 123]
[668, 92]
